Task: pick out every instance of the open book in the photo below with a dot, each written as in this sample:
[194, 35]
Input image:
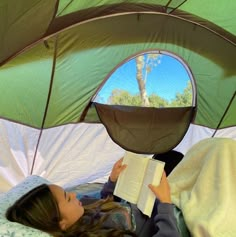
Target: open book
[132, 184]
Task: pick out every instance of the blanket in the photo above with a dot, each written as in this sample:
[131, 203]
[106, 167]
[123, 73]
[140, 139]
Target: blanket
[203, 186]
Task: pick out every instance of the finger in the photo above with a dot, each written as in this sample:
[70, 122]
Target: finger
[152, 188]
[163, 177]
[164, 174]
[123, 167]
[119, 162]
[121, 159]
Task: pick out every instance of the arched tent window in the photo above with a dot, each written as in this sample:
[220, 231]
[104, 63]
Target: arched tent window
[153, 79]
[150, 96]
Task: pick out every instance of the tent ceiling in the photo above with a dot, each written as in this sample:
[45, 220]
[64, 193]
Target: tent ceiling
[66, 47]
[43, 17]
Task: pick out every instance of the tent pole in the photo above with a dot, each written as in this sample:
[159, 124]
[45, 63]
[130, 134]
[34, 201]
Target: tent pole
[224, 114]
[47, 104]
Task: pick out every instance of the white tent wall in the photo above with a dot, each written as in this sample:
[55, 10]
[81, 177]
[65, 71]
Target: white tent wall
[72, 154]
[63, 157]
[17, 145]
[197, 133]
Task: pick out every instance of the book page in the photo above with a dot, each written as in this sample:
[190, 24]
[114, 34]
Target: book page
[130, 180]
[153, 176]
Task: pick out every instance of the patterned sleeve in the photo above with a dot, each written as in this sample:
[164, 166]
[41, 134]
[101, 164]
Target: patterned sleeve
[108, 189]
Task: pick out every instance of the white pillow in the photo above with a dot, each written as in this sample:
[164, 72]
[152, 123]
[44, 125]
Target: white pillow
[10, 229]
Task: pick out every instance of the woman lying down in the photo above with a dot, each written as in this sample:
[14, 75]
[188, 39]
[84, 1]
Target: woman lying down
[50, 209]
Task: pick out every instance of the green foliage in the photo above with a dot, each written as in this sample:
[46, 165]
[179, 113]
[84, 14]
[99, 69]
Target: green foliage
[122, 97]
[184, 99]
[157, 101]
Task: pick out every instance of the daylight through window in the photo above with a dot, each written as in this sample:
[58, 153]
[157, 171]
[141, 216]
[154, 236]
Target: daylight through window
[152, 79]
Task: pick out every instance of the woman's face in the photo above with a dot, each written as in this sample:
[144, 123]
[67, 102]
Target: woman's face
[70, 207]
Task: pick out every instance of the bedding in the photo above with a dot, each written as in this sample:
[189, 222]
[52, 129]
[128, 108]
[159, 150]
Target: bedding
[203, 187]
[11, 229]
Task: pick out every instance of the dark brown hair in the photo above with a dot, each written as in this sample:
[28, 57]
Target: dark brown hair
[39, 209]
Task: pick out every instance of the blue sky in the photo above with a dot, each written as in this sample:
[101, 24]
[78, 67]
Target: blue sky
[165, 80]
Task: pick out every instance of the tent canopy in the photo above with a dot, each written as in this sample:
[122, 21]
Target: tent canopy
[52, 49]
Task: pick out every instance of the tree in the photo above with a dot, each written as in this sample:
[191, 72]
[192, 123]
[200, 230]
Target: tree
[157, 101]
[183, 99]
[122, 97]
[144, 65]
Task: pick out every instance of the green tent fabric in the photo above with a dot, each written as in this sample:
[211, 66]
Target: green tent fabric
[68, 47]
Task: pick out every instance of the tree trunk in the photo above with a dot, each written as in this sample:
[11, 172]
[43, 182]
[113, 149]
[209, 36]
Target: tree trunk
[140, 79]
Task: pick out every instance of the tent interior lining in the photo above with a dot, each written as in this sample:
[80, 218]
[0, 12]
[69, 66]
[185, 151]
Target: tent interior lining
[61, 23]
[223, 55]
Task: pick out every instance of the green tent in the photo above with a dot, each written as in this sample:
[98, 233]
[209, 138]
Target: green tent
[56, 55]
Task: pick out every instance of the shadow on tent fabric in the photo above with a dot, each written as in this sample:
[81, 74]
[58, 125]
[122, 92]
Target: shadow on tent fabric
[171, 158]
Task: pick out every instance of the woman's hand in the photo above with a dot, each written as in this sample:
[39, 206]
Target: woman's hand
[162, 191]
[116, 170]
